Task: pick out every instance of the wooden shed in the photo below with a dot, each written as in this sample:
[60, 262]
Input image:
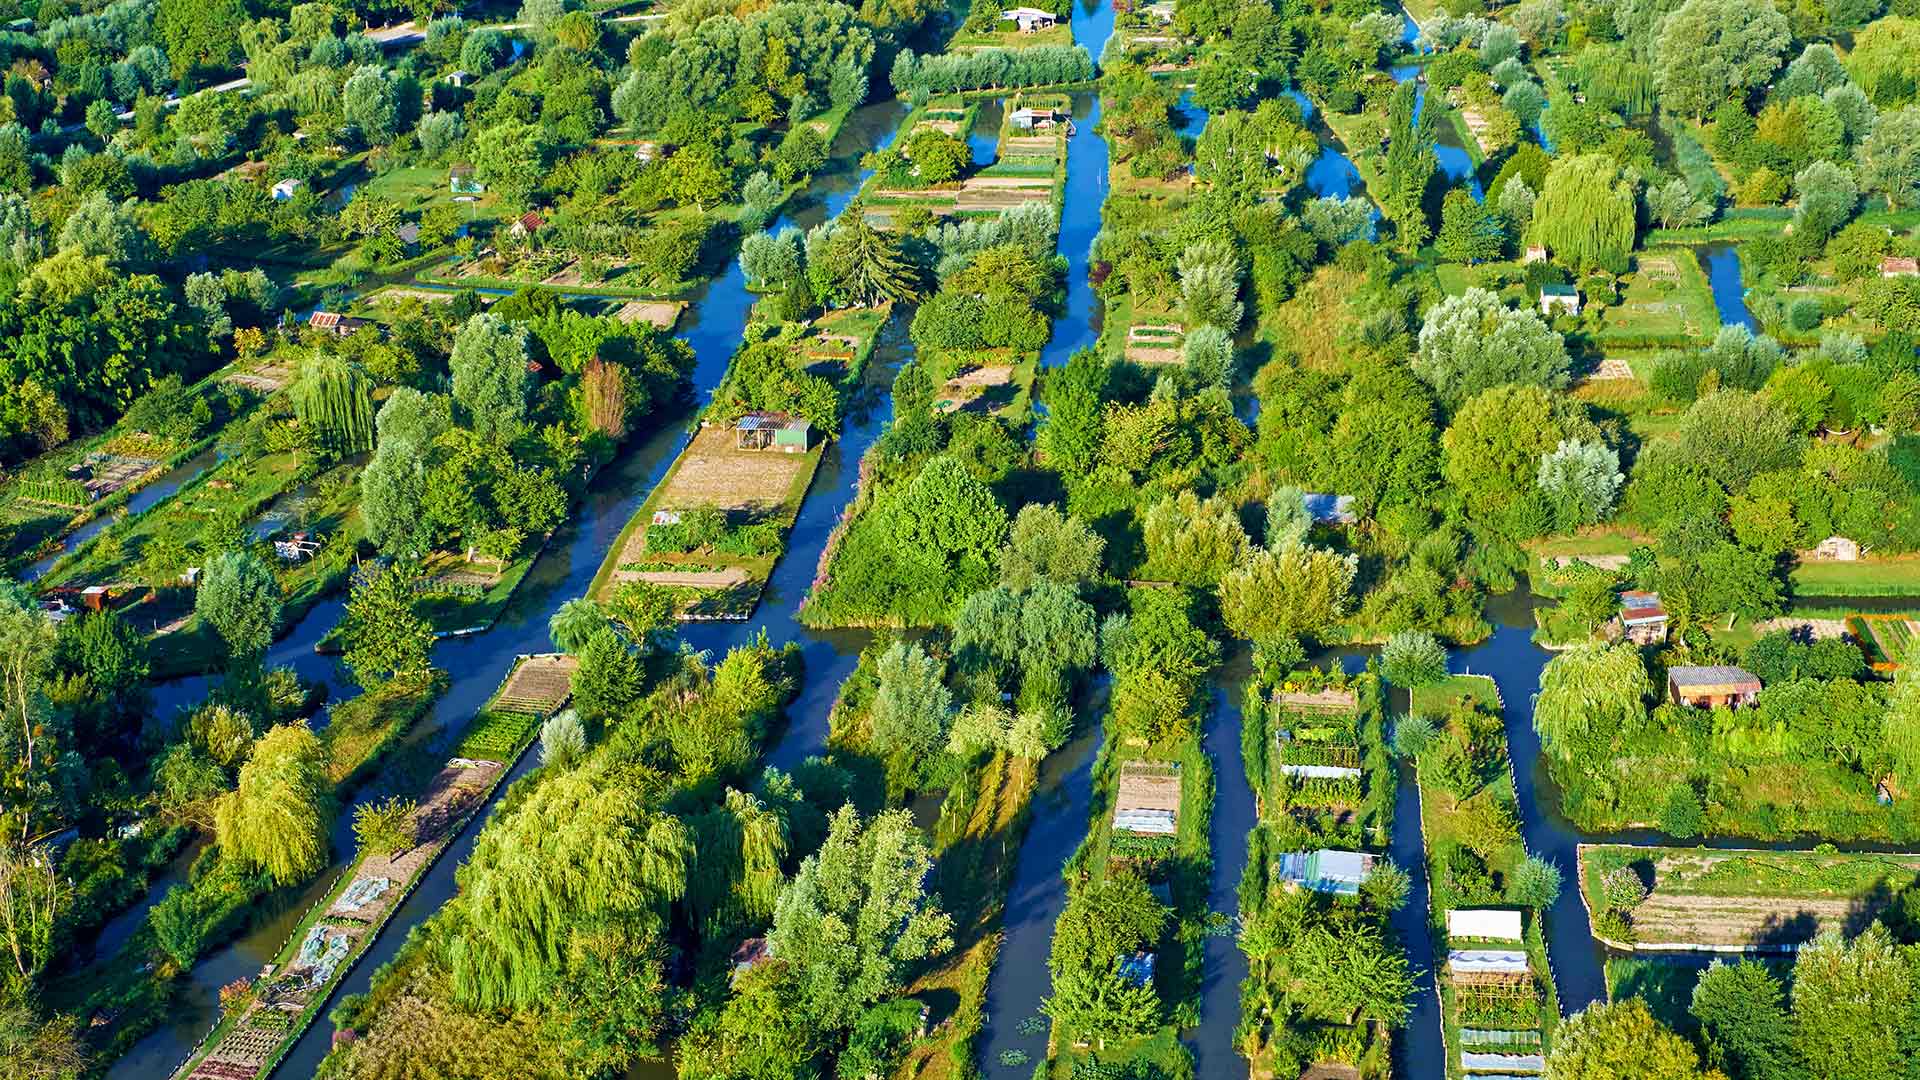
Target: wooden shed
[1643, 620]
[1712, 686]
[772, 431]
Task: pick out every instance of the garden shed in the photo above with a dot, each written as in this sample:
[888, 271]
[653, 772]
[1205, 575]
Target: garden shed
[1712, 686]
[1559, 300]
[771, 431]
[335, 323]
[750, 954]
[1899, 266]
[1030, 20]
[286, 189]
[1148, 798]
[1643, 620]
[1326, 870]
[1837, 549]
[1030, 118]
[1494, 924]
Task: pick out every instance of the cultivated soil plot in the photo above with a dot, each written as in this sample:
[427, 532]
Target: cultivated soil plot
[1749, 899]
[714, 473]
[538, 685]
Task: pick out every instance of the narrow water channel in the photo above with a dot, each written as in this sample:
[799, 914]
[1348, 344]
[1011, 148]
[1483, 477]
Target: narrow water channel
[1514, 662]
[714, 328]
[1722, 264]
[1224, 967]
[161, 488]
[1062, 796]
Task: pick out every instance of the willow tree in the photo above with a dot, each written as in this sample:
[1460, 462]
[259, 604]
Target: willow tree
[1587, 695]
[583, 850]
[334, 401]
[278, 818]
[736, 872]
[1585, 213]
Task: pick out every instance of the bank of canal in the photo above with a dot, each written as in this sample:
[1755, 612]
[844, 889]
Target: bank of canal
[716, 322]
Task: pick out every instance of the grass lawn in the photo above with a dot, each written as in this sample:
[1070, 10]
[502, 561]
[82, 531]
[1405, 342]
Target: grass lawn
[1899, 576]
[1006, 35]
[1666, 985]
[1665, 300]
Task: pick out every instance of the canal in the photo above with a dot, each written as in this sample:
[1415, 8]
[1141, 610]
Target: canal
[1722, 265]
[714, 327]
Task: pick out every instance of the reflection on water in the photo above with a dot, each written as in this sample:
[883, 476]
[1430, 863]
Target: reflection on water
[1722, 264]
[563, 571]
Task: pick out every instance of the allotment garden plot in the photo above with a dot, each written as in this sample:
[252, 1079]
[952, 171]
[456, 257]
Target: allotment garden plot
[1734, 900]
[714, 527]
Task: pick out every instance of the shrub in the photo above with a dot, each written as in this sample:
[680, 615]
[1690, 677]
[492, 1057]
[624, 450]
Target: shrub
[1683, 816]
[1414, 658]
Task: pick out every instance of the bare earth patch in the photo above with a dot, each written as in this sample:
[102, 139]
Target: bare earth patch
[714, 473]
[693, 579]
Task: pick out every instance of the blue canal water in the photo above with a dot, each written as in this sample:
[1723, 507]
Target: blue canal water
[1455, 163]
[714, 327]
[1193, 118]
[983, 139]
[1722, 264]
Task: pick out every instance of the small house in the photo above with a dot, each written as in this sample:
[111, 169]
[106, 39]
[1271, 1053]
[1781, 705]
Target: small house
[408, 234]
[1136, 969]
[1327, 871]
[772, 431]
[1030, 20]
[527, 224]
[458, 78]
[1899, 266]
[1559, 300]
[1643, 620]
[460, 181]
[1837, 549]
[647, 150]
[750, 954]
[1148, 798]
[1161, 10]
[334, 323]
[1329, 509]
[1534, 253]
[1493, 924]
[1028, 118]
[94, 598]
[1712, 686]
[287, 189]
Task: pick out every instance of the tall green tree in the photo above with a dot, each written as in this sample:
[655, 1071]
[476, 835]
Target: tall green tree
[334, 402]
[1590, 694]
[1850, 1001]
[1586, 213]
[1710, 51]
[1410, 165]
[240, 598]
[583, 850]
[279, 816]
[1742, 1012]
[856, 916]
[491, 383]
[382, 635]
[1474, 342]
[911, 711]
[1620, 1041]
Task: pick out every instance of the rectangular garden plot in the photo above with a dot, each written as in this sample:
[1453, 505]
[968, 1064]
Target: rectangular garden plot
[1661, 899]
